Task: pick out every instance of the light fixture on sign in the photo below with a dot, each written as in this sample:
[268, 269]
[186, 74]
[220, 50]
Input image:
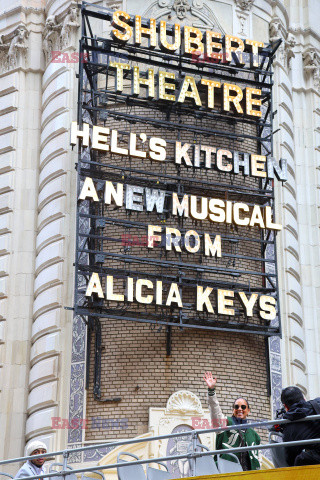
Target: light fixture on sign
[193, 41]
[170, 47]
[253, 101]
[235, 99]
[185, 92]
[119, 73]
[229, 40]
[150, 32]
[211, 46]
[148, 82]
[211, 84]
[163, 86]
[117, 22]
[255, 51]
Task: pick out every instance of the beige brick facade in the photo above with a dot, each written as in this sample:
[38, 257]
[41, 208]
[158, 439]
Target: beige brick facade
[136, 368]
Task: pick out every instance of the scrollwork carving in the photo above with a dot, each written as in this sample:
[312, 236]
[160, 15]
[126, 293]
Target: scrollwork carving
[289, 45]
[311, 66]
[184, 12]
[184, 402]
[197, 3]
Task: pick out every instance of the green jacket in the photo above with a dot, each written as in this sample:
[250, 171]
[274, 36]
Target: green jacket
[231, 439]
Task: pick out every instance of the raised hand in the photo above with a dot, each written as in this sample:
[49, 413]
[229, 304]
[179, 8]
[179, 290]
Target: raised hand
[210, 380]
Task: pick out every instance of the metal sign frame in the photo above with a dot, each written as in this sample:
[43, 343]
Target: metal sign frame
[96, 104]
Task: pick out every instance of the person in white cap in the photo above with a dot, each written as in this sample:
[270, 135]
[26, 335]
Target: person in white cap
[33, 467]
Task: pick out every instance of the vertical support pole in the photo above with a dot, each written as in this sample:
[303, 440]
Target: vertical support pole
[193, 459]
[65, 463]
[97, 361]
[168, 339]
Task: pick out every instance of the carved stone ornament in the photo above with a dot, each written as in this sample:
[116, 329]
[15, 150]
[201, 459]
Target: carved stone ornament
[4, 48]
[311, 66]
[184, 402]
[245, 4]
[289, 45]
[60, 32]
[51, 37]
[181, 8]
[243, 8]
[70, 27]
[185, 12]
[278, 31]
[13, 49]
[316, 79]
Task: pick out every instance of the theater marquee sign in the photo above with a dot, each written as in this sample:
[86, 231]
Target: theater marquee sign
[176, 223]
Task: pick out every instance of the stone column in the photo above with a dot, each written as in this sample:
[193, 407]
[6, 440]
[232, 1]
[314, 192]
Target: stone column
[54, 273]
[20, 106]
[286, 204]
[306, 96]
[297, 74]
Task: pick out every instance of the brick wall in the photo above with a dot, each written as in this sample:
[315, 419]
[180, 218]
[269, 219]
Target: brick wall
[136, 368]
[134, 362]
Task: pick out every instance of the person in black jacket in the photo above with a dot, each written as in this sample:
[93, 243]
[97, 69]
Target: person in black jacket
[297, 408]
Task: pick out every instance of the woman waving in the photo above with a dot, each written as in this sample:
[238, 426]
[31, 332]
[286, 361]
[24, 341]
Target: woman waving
[233, 438]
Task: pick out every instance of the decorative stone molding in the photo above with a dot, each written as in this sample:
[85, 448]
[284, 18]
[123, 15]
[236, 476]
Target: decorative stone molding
[181, 7]
[18, 47]
[163, 421]
[183, 408]
[245, 5]
[288, 47]
[60, 32]
[52, 271]
[9, 102]
[278, 31]
[184, 402]
[13, 49]
[51, 37]
[185, 12]
[70, 27]
[311, 66]
[4, 47]
[243, 8]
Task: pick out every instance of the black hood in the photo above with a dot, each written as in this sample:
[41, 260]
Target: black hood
[238, 421]
[299, 410]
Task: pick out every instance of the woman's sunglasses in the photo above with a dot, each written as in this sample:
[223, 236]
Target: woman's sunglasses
[237, 407]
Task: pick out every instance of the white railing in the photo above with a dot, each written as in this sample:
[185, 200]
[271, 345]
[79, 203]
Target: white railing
[192, 455]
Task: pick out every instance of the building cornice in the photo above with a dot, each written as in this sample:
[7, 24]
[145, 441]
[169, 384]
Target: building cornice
[304, 32]
[282, 8]
[21, 9]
